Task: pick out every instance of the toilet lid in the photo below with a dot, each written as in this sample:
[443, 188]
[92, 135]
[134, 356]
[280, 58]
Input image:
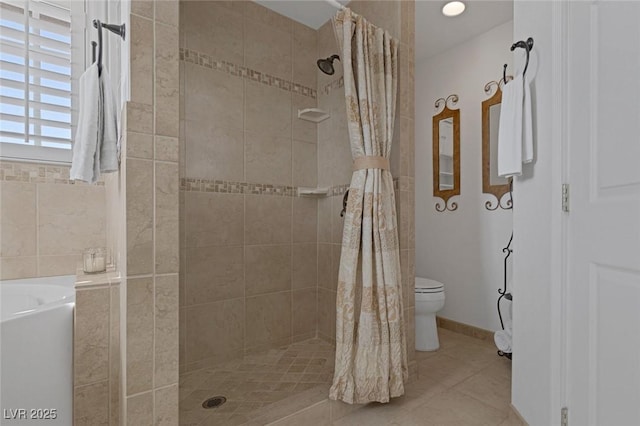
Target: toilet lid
[425, 285]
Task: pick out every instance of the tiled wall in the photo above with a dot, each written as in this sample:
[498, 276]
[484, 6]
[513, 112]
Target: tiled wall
[249, 246]
[334, 168]
[96, 356]
[248, 262]
[406, 171]
[150, 317]
[46, 220]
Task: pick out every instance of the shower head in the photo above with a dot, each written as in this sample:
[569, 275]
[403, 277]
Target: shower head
[326, 65]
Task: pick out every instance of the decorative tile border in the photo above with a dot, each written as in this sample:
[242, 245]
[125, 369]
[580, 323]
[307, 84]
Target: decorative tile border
[37, 173]
[204, 60]
[336, 84]
[338, 190]
[229, 187]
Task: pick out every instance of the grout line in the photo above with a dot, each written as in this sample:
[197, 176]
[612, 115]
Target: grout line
[244, 198]
[154, 220]
[292, 180]
[37, 210]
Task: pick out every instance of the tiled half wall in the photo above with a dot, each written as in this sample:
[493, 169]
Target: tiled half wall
[39, 209]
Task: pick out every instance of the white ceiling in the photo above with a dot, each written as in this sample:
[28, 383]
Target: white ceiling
[435, 32]
[312, 13]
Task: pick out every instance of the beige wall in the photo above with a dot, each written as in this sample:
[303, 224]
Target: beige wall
[46, 220]
[249, 246]
[151, 183]
[334, 170]
[127, 323]
[248, 264]
[96, 356]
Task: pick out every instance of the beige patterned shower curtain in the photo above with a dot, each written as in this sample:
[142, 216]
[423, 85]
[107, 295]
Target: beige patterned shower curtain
[371, 358]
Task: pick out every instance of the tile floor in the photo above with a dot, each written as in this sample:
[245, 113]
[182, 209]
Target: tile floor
[463, 383]
[254, 383]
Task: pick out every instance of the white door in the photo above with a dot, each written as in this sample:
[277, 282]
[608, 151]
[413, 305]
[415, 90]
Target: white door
[603, 286]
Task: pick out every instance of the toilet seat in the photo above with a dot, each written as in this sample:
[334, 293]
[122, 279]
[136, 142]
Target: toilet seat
[430, 290]
[425, 285]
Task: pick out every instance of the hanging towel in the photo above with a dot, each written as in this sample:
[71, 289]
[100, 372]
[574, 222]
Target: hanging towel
[86, 154]
[527, 123]
[503, 338]
[515, 133]
[109, 141]
[95, 148]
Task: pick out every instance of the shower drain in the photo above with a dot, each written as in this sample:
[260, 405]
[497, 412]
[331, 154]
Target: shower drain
[214, 402]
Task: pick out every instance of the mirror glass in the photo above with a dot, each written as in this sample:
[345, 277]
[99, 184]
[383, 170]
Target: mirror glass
[494, 120]
[446, 153]
[491, 182]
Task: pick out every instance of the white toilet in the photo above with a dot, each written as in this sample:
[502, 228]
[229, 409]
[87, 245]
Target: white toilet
[429, 300]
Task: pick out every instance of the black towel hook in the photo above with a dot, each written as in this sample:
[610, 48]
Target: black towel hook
[527, 46]
[97, 24]
[116, 29]
[93, 51]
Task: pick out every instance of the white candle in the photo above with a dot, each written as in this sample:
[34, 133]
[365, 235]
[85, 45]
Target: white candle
[94, 260]
[99, 263]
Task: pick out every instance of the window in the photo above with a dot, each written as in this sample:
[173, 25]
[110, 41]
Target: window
[35, 77]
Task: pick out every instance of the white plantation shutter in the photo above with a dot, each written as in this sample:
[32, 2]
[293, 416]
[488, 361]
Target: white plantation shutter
[35, 80]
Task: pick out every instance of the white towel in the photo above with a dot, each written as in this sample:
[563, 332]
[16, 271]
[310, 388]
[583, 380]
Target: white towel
[85, 145]
[503, 338]
[515, 134]
[96, 140]
[527, 124]
[503, 341]
[109, 142]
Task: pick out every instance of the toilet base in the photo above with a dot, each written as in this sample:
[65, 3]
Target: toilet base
[426, 333]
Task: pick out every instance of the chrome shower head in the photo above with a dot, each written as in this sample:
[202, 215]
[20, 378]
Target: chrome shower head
[326, 65]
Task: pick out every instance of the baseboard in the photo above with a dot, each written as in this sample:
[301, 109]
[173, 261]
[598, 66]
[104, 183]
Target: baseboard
[515, 413]
[467, 330]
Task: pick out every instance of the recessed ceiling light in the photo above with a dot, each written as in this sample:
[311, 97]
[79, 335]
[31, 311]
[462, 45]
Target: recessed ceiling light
[453, 8]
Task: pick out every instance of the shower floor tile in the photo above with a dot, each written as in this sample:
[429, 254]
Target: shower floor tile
[252, 384]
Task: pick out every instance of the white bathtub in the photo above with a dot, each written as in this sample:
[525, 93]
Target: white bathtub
[36, 351]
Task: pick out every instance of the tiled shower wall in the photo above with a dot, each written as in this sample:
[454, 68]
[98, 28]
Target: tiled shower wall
[248, 243]
[259, 265]
[334, 170]
[150, 169]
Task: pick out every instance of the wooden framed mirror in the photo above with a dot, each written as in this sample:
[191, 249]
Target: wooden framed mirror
[446, 153]
[491, 182]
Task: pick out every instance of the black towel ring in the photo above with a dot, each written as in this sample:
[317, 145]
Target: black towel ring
[527, 46]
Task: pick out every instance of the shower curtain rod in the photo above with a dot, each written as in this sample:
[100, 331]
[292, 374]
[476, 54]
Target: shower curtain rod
[335, 4]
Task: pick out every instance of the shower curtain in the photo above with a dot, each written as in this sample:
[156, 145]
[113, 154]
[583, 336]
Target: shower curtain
[371, 357]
